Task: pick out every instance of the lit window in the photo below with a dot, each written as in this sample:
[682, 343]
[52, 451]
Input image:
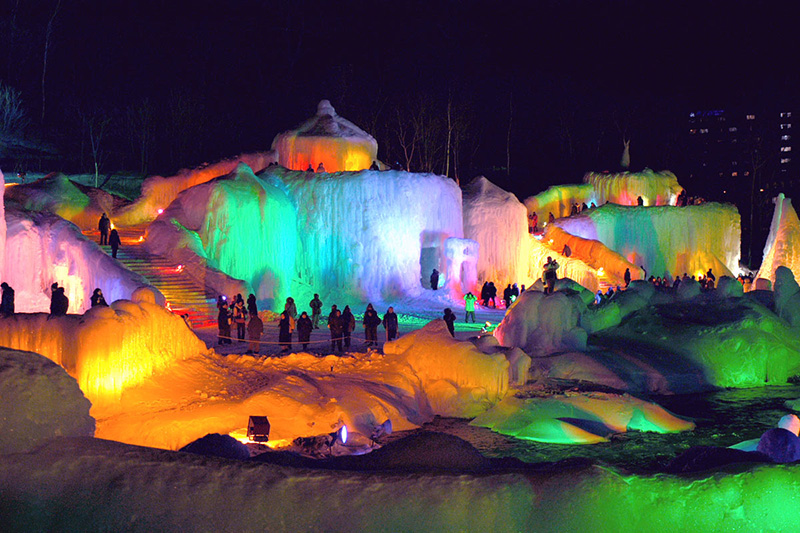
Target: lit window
[786, 148]
[732, 128]
[734, 174]
[693, 131]
[786, 137]
[751, 117]
[734, 163]
[691, 115]
[786, 126]
[705, 130]
[785, 160]
[787, 114]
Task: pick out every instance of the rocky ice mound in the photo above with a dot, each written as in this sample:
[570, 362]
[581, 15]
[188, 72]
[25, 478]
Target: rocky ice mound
[40, 402]
[498, 222]
[578, 418]
[666, 240]
[108, 349]
[327, 139]
[783, 243]
[42, 248]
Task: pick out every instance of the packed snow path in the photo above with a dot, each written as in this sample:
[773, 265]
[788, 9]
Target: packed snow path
[184, 295]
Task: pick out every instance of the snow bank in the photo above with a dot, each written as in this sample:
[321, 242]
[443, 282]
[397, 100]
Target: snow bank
[108, 349]
[783, 243]
[42, 249]
[372, 235]
[40, 402]
[458, 379]
[542, 323]
[158, 192]
[582, 418]
[326, 138]
[90, 484]
[666, 240]
[498, 222]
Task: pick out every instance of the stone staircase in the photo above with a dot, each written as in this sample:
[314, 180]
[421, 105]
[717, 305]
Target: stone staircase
[184, 295]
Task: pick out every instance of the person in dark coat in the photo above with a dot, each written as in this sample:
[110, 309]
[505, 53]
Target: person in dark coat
[7, 302]
[336, 326]
[240, 317]
[252, 306]
[114, 241]
[224, 324]
[507, 296]
[104, 225]
[59, 303]
[627, 277]
[255, 328]
[304, 327]
[390, 323]
[435, 279]
[492, 292]
[316, 310]
[285, 332]
[98, 298]
[371, 322]
[450, 319]
[348, 325]
[485, 294]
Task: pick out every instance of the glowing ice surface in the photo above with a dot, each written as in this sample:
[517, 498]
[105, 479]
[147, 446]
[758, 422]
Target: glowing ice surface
[783, 243]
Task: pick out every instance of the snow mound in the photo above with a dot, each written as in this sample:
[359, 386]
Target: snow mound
[583, 418]
[458, 379]
[780, 445]
[787, 296]
[40, 402]
[542, 323]
[108, 349]
[216, 445]
[783, 242]
[54, 250]
[498, 222]
[327, 139]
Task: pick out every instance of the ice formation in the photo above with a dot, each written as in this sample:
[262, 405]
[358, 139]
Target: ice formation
[783, 243]
[158, 192]
[40, 402]
[666, 240]
[132, 488]
[655, 188]
[2, 225]
[498, 222]
[326, 139]
[42, 248]
[108, 349]
[581, 418]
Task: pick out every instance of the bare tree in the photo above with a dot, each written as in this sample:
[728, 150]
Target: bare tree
[48, 40]
[141, 127]
[407, 138]
[95, 124]
[13, 117]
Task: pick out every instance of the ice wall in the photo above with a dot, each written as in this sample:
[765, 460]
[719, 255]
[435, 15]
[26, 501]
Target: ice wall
[666, 240]
[108, 349]
[568, 267]
[558, 200]
[458, 379]
[42, 248]
[371, 234]
[158, 192]
[499, 223]
[239, 225]
[326, 138]
[783, 243]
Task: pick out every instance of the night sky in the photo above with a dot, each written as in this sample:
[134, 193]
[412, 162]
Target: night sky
[221, 78]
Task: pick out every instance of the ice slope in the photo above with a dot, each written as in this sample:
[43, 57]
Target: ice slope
[40, 402]
[108, 349]
[42, 248]
[783, 243]
[666, 240]
[498, 222]
[568, 267]
[578, 418]
[370, 234]
[91, 484]
[158, 192]
[233, 228]
[326, 138]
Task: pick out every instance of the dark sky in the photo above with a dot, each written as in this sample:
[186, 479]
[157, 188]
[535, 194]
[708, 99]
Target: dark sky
[252, 69]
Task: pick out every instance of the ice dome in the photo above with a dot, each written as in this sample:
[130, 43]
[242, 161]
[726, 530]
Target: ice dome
[329, 139]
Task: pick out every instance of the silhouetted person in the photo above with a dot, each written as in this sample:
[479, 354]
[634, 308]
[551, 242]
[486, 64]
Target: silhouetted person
[285, 332]
[450, 319]
[255, 328]
[371, 322]
[224, 323]
[710, 275]
[435, 279]
[316, 310]
[640, 201]
[59, 303]
[304, 327]
[491, 291]
[348, 325]
[321, 167]
[374, 165]
[104, 225]
[252, 306]
[485, 294]
[336, 327]
[550, 275]
[239, 317]
[7, 301]
[98, 298]
[627, 277]
[507, 296]
[310, 168]
[567, 251]
[114, 241]
[391, 324]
